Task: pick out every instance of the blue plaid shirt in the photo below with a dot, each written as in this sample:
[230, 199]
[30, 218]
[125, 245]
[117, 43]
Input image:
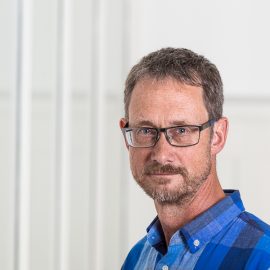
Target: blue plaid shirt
[224, 237]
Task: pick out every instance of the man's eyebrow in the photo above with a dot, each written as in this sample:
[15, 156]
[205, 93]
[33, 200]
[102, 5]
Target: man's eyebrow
[151, 124]
[143, 123]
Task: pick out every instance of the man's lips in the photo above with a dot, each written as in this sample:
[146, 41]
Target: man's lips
[162, 173]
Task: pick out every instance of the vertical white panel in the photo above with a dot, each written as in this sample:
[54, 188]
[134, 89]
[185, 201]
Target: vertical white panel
[44, 58]
[23, 126]
[65, 139]
[110, 222]
[7, 141]
[62, 168]
[99, 132]
[82, 202]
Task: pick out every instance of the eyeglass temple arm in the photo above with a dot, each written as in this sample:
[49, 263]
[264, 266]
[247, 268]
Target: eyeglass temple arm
[207, 124]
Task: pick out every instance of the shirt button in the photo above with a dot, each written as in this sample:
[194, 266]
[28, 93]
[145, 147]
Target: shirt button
[196, 243]
[165, 267]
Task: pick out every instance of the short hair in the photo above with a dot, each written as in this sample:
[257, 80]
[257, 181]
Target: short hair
[184, 66]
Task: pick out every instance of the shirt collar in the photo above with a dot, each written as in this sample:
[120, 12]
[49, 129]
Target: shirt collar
[204, 227]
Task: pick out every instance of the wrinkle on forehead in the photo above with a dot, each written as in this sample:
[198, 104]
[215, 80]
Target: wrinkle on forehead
[167, 102]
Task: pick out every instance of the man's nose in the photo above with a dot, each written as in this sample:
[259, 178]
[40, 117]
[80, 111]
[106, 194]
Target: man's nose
[162, 152]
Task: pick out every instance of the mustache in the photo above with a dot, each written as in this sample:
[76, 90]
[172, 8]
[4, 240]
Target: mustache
[156, 168]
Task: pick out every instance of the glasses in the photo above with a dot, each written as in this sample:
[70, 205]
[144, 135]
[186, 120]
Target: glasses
[179, 136]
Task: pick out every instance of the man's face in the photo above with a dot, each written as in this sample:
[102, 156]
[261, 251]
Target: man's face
[167, 173]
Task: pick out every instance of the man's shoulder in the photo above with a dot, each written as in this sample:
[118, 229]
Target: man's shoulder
[256, 233]
[244, 244]
[134, 254]
[255, 238]
[255, 223]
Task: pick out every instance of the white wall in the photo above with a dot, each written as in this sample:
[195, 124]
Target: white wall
[67, 200]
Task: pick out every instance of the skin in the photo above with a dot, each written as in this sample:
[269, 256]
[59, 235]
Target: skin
[179, 196]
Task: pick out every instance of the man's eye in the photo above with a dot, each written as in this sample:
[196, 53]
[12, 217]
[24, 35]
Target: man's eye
[144, 131]
[181, 130]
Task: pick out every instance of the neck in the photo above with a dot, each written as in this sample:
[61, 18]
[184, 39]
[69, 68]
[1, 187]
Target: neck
[173, 216]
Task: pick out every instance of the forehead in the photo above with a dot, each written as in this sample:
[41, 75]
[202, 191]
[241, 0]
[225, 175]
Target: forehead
[166, 101]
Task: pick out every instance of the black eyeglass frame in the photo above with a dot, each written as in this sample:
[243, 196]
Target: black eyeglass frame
[201, 127]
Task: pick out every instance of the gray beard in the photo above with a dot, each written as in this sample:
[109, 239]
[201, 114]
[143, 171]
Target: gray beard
[190, 184]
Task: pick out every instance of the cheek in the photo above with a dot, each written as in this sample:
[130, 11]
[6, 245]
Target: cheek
[138, 158]
[196, 157]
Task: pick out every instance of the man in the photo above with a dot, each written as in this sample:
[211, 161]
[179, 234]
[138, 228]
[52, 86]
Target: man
[173, 129]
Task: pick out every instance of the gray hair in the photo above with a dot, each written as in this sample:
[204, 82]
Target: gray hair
[186, 67]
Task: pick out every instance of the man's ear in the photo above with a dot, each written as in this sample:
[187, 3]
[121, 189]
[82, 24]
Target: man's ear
[220, 131]
[122, 124]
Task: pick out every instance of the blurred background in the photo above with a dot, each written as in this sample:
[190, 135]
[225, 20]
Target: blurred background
[67, 199]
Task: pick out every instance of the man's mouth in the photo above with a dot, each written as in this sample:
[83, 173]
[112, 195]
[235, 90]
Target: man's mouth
[162, 173]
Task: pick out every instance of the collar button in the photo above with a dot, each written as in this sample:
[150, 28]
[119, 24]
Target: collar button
[196, 243]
